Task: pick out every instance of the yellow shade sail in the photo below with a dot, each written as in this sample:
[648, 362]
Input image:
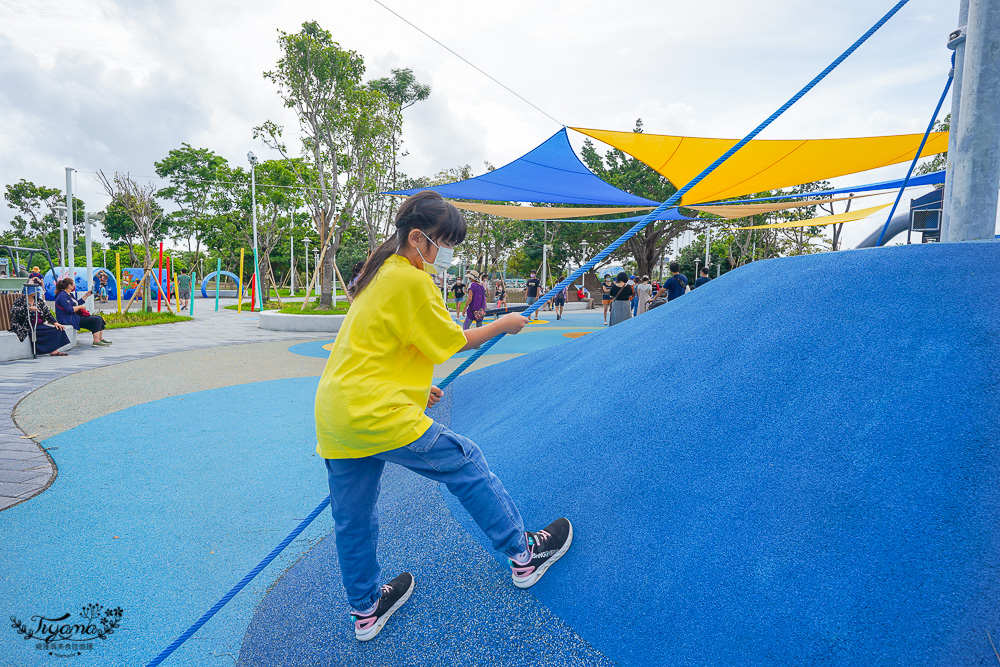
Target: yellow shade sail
[763, 164]
[825, 220]
[541, 212]
[746, 210]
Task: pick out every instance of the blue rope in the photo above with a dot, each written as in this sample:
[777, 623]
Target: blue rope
[238, 587]
[538, 304]
[916, 157]
[676, 197]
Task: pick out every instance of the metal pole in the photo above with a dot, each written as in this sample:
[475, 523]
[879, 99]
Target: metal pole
[218, 277]
[256, 260]
[291, 267]
[69, 257]
[545, 255]
[159, 279]
[977, 156]
[956, 42]
[708, 244]
[90, 262]
[305, 242]
[191, 305]
[118, 279]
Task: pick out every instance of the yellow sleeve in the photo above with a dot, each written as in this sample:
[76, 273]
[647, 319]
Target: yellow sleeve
[434, 333]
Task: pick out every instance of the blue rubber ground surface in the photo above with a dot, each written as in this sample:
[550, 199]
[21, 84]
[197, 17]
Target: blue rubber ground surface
[197, 488]
[464, 610]
[537, 336]
[819, 486]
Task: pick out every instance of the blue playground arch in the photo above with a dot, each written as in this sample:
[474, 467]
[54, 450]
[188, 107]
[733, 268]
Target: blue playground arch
[204, 283]
[79, 280]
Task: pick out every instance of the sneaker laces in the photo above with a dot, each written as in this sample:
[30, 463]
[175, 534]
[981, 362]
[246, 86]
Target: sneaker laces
[543, 535]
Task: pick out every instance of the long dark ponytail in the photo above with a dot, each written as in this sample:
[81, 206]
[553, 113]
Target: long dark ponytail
[426, 211]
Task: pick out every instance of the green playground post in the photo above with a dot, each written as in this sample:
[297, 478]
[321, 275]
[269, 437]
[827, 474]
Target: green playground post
[218, 276]
[191, 291]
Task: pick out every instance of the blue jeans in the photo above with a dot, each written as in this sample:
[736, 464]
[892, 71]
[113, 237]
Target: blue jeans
[440, 454]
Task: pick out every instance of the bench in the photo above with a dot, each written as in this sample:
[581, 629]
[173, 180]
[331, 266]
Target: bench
[11, 348]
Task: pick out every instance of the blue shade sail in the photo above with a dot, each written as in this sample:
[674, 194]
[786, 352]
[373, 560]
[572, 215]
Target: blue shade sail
[550, 173]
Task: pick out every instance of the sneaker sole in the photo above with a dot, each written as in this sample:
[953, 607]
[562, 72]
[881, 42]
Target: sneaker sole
[373, 631]
[537, 574]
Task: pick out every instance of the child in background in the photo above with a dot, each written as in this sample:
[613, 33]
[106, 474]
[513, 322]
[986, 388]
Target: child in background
[370, 410]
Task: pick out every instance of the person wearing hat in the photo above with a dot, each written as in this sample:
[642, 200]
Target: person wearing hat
[30, 312]
[35, 273]
[476, 310]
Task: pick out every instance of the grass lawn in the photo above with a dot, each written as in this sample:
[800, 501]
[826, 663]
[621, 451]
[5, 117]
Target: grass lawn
[283, 292]
[139, 319]
[313, 309]
[270, 305]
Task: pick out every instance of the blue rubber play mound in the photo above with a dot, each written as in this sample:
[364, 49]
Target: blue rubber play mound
[794, 464]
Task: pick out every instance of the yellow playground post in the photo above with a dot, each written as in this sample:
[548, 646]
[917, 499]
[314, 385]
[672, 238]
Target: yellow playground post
[239, 285]
[118, 279]
[177, 291]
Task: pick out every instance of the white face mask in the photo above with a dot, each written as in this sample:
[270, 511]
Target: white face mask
[443, 260]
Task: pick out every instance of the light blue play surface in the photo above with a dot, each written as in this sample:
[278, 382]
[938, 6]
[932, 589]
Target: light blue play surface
[160, 509]
[546, 332]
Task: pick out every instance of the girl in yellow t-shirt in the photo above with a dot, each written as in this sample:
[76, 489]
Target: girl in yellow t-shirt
[370, 410]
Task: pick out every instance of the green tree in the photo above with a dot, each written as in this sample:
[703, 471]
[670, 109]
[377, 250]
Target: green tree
[939, 161]
[277, 195]
[138, 201]
[193, 174]
[37, 221]
[342, 128]
[402, 88]
[634, 177]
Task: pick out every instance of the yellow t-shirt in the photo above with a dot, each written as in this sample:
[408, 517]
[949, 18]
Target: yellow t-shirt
[374, 389]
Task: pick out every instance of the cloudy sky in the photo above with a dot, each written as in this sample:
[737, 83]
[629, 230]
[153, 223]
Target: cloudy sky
[115, 85]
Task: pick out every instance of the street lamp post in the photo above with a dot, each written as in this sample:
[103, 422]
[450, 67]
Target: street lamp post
[60, 210]
[305, 242]
[316, 267]
[291, 266]
[584, 245]
[17, 255]
[253, 205]
[70, 214]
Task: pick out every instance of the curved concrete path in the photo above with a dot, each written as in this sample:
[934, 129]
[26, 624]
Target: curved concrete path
[25, 468]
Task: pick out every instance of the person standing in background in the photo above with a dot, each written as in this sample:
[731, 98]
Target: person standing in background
[458, 289]
[675, 285]
[500, 295]
[531, 292]
[645, 294]
[559, 300]
[183, 288]
[606, 295]
[621, 294]
[476, 310]
[703, 278]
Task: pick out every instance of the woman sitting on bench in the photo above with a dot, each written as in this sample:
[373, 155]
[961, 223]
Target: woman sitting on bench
[49, 334]
[72, 312]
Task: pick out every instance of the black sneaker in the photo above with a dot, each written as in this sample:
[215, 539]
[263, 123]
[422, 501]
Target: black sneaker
[546, 546]
[394, 594]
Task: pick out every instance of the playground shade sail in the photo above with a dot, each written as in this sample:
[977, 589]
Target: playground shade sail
[669, 214]
[763, 164]
[933, 178]
[542, 212]
[850, 216]
[745, 210]
[549, 173]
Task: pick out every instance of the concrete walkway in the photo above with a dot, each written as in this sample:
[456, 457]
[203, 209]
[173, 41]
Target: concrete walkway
[25, 468]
